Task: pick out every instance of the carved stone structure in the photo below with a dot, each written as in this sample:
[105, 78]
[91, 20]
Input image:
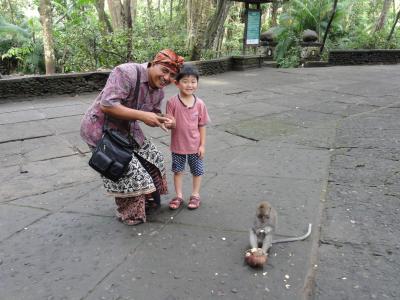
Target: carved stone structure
[7, 65]
[268, 43]
[310, 47]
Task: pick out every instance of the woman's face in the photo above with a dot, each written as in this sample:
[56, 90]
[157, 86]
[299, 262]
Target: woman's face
[160, 76]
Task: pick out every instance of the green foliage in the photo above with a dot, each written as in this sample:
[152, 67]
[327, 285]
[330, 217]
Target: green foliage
[287, 51]
[18, 42]
[234, 27]
[359, 29]
[11, 29]
[299, 16]
[29, 56]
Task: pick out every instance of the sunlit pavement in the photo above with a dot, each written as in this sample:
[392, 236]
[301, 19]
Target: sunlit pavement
[321, 144]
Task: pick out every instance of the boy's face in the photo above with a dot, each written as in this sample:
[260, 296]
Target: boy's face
[187, 85]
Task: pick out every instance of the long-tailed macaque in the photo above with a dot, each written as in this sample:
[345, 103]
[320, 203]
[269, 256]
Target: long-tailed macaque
[264, 227]
[263, 230]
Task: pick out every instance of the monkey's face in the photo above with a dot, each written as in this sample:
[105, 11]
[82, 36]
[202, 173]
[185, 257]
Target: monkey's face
[263, 212]
[264, 217]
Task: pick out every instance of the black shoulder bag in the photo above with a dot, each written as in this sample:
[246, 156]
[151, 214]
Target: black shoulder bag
[114, 151]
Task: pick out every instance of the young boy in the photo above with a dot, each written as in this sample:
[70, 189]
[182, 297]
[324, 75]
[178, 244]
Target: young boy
[188, 136]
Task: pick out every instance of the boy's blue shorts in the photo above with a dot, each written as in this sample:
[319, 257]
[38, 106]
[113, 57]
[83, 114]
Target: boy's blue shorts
[196, 164]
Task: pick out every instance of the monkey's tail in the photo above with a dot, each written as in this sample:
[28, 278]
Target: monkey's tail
[294, 239]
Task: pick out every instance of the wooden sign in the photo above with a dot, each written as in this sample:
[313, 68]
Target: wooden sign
[252, 27]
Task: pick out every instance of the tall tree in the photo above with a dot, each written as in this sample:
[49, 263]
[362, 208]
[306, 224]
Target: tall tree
[383, 15]
[329, 24]
[394, 25]
[46, 21]
[150, 9]
[128, 23]
[171, 8]
[117, 14]
[198, 12]
[121, 16]
[274, 13]
[133, 10]
[103, 18]
[216, 25]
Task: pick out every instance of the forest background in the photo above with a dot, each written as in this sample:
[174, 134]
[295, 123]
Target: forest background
[62, 36]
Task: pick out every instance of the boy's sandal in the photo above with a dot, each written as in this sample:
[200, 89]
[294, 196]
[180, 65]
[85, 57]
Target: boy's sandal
[194, 202]
[175, 203]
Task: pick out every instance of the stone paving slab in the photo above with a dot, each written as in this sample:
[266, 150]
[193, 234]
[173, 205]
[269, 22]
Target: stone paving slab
[320, 144]
[362, 275]
[16, 218]
[363, 202]
[55, 200]
[194, 263]
[64, 256]
[22, 131]
[284, 194]
[285, 162]
[43, 176]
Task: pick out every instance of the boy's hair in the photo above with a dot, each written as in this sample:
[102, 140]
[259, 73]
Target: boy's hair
[187, 70]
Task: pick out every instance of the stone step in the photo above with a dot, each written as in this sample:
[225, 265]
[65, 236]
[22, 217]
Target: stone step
[270, 64]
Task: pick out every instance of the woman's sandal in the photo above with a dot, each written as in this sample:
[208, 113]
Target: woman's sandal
[151, 207]
[175, 203]
[130, 222]
[194, 202]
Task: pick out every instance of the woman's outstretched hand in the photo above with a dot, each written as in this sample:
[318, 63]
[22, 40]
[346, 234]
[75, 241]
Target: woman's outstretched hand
[153, 120]
[149, 118]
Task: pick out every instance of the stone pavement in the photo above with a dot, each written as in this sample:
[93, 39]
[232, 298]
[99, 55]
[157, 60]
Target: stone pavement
[320, 144]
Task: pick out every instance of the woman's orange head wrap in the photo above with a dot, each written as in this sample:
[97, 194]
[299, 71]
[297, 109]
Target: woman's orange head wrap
[170, 59]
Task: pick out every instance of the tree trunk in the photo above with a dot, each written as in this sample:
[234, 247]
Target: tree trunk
[274, 14]
[128, 23]
[394, 26]
[217, 23]
[198, 12]
[12, 14]
[103, 18]
[189, 23]
[46, 21]
[329, 25]
[116, 11]
[229, 32]
[159, 8]
[171, 6]
[220, 39]
[383, 16]
[133, 10]
[150, 10]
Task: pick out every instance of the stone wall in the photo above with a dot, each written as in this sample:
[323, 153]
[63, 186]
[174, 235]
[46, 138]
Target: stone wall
[213, 66]
[75, 83]
[240, 63]
[361, 57]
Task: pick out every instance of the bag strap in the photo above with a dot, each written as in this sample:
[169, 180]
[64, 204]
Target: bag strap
[135, 98]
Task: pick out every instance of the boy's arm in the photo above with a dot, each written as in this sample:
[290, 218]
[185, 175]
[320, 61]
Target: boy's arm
[202, 147]
[169, 114]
